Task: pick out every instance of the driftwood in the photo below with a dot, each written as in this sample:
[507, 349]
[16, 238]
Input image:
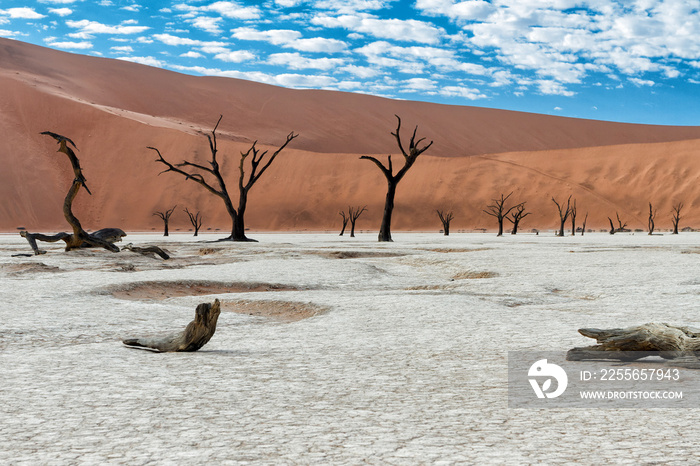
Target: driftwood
[79, 238]
[147, 251]
[196, 334]
[679, 344]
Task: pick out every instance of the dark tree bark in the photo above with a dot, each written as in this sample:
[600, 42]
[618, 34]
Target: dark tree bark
[147, 251]
[257, 168]
[573, 218]
[498, 210]
[676, 216]
[680, 344]
[79, 238]
[354, 213]
[583, 227]
[195, 220]
[516, 216]
[165, 216]
[393, 180]
[445, 218]
[196, 334]
[652, 216]
[345, 221]
[621, 227]
[563, 214]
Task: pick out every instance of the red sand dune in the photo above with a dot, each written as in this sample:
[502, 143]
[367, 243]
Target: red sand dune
[114, 109]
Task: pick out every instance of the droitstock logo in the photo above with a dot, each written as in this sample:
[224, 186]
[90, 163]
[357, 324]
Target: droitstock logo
[548, 372]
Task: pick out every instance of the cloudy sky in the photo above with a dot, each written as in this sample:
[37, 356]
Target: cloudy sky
[621, 60]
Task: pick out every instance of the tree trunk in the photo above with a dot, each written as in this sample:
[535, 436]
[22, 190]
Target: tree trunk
[500, 227]
[196, 334]
[446, 228]
[632, 343]
[515, 228]
[385, 229]
[352, 229]
[561, 228]
[165, 230]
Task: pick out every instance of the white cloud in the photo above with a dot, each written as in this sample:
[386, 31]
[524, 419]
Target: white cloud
[70, 45]
[192, 54]
[235, 56]
[461, 91]
[61, 11]
[123, 48]
[93, 27]
[169, 39]
[550, 87]
[7, 33]
[207, 23]
[286, 80]
[296, 61]
[419, 84]
[360, 71]
[273, 36]
[409, 30]
[133, 8]
[22, 13]
[350, 6]
[232, 10]
[641, 82]
[150, 61]
[290, 39]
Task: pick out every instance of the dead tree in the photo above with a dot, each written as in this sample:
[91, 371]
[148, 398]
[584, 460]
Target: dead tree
[621, 227]
[498, 210]
[165, 216]
[445, 218]
[79, 238]
[652, 216]
[354, 215]
[679, 344]
[345, 221]
[573, 218]
[195, 220]
[563, 214]
[196, 334]
[393, 179]
[583, 227]
[258, 166]
[676, 216]
[516, 216]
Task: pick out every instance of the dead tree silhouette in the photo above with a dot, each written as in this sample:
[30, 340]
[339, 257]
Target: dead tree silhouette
[414, 151]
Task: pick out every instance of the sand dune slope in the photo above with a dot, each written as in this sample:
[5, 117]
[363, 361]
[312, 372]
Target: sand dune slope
[113, 110]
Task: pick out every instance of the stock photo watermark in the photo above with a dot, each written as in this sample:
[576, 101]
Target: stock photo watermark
[545, 379]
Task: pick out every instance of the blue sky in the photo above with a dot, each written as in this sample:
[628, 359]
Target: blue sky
[635, 61]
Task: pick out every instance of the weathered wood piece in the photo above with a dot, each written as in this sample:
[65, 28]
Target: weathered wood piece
[196, 334]
[680, 344]
[147, 251]
[79, 237]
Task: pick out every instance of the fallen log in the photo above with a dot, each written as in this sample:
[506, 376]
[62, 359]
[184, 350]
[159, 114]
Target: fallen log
[147, 251]
[679, 344]
[196, 334]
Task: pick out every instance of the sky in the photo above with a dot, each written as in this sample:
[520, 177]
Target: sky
[635, 61]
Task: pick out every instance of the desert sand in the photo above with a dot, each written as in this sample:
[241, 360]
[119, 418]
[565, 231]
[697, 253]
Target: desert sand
[114, 109]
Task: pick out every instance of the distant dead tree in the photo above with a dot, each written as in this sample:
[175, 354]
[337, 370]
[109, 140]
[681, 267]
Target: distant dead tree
[345, 221]
[573, 218]
[652, 216]
[620, 226]
[498, 210]
[79, 238]
[583, 227]
[195, 220]
[563, 213]
[393, 180]
[676, 216]
[445, 218]
[516, 216]
[257, 168]
[165, 216]
[354, 214]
